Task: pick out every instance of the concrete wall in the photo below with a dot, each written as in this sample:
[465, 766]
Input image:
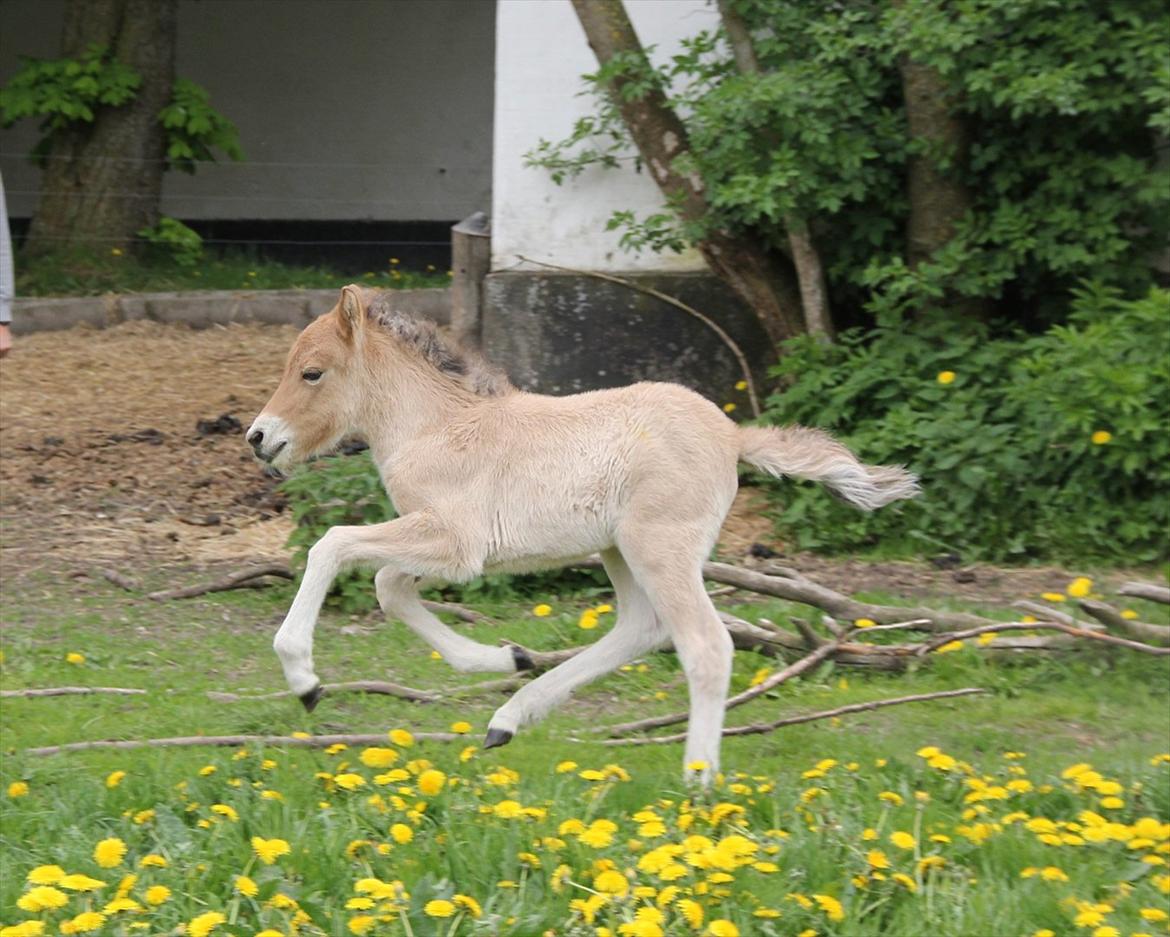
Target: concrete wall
[347, 109]
[541, 55]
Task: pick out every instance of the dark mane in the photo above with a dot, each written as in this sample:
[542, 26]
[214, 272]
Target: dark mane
[467, 367]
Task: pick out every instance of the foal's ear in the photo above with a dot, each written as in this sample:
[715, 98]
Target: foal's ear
[351, 309]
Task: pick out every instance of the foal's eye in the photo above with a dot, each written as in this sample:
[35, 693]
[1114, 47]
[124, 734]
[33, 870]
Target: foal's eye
[312, 375]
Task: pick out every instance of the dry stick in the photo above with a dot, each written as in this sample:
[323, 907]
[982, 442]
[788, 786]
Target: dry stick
[70, 691]
[678, 304]
[759, 728]
[1146, 590]
[377, 687]
[292, 741]
[122, 582]
[463, 614]
[234, 581]
[1112, 618]
[1046, 613]
[1042, 626]
[840, 606]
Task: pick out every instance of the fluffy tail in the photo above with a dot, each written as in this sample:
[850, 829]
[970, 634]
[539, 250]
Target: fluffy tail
[814, 454]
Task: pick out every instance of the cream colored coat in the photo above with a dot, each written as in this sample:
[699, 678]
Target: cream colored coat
[487, 478]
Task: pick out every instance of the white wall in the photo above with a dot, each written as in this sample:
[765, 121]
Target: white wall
[347, 109]
[541, 53]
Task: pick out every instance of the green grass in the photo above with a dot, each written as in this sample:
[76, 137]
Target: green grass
[1107, 709]
[89, 273]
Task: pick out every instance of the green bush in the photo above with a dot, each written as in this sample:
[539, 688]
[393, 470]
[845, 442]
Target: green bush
[1050, 446]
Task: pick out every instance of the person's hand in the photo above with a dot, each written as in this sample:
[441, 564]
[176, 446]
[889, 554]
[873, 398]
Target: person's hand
[5, 339]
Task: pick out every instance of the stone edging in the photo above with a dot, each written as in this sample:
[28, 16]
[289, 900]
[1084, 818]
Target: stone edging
[203, 308]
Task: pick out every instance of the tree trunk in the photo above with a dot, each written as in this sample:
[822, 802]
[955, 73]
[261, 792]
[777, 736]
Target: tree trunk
[938, 198]
[810, 272]
[763, 280]
[103, 180]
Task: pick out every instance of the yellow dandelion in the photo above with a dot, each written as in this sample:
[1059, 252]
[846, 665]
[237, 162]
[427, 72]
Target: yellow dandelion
[42, 898]
[377, 757]
[401, 737]
[431, 782]
[1101, 437]
[461, 728]
[729, 408]
[157, 894]
[902, 840]
[611, 882]
[84, 923]
[153, 860]
[439, 908]
[588, 620]
[269, 850]
[401, 833]
[246, 886]
[114, 778]
[18, 789]
[45, 875]
[204, 924]
[1080, 587]
[542, 610]
[109, 852]
[864, 623]
[1053, 596]
[946, 377]
[721, 927]
[741, 385]
[75, 658]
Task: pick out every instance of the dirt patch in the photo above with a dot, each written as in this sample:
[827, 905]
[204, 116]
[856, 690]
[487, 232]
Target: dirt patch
[102, 455]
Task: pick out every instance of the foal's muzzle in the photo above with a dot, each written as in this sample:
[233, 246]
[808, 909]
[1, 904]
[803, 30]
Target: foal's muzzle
[256, 441]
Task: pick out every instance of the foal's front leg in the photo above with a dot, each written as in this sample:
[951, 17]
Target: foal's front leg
[416, 544]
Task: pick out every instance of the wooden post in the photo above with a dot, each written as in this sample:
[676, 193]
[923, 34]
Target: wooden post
[471, 257]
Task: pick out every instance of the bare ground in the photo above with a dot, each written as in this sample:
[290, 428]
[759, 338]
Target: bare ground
[102, 463]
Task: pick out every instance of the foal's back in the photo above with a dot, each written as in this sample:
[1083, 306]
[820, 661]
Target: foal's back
[550, 478]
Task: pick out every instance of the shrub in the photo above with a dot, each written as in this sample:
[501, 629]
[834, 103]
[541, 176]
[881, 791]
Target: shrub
[1048, 446]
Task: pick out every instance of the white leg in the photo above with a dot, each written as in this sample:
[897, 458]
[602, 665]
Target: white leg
[398, 596]
[416, 544]
[704, 647]
[635, 632]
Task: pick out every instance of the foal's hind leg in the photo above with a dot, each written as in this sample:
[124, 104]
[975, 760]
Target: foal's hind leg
[635, 632]
[672, 576]
[398, 596]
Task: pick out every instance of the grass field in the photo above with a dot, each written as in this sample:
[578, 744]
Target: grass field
[1042, 807]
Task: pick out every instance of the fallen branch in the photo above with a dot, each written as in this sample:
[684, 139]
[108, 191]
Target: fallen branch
[1041, 626]
[463, 614]
[1112, 618]
[758, 728]
[190, 741]
[234, 581]
[377, 687]
[1146, 590]
[122, 582]
[70, 691]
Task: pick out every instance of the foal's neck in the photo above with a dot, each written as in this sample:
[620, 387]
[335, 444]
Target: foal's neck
[408, 401]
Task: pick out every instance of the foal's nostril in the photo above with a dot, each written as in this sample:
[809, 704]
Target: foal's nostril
[255, 438]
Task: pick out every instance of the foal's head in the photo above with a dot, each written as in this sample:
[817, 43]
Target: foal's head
[349, 356]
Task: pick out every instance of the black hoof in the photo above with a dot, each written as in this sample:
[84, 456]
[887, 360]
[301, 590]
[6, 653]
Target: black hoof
[521, 659]
[312, 697]
[496, 737]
